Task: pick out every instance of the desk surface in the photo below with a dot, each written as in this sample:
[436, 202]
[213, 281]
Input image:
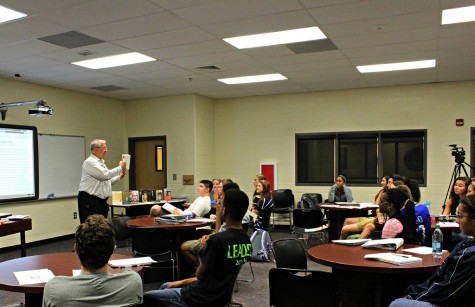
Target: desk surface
[59, 263]
[149, 203]
[149, 222]
[12, 227]
[351, 258]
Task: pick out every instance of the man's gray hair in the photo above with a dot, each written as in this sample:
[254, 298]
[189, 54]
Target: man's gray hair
[97, 144]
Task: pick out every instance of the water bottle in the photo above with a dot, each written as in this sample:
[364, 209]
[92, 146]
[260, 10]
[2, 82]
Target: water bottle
[437, 238]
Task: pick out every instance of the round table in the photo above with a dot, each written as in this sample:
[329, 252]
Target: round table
[365, 282]
[59, 263]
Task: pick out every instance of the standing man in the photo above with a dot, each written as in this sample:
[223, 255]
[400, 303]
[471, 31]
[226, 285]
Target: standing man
[96, 182]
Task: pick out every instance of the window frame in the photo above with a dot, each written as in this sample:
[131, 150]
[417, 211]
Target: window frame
[379, 135]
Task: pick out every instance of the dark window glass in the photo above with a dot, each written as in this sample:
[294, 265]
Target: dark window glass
[362, 157]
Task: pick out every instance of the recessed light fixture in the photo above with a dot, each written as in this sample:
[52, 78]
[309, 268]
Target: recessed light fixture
[115, 60]
[276, 38]
[7, 14]
[458, 15]
[253, 79]
[396, 66]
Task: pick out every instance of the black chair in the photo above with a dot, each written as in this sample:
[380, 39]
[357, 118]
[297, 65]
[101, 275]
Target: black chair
[375, 235]
[121, 231]
[311, 200]
[303, 288]
[289, 253]
[283, 203]
[157, 244]
[245, 227]
[310, 223]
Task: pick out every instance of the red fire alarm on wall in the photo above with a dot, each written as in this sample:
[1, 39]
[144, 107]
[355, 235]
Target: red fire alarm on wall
[459, 122]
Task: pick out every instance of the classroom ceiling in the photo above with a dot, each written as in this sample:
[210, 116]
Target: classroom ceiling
[185, 36]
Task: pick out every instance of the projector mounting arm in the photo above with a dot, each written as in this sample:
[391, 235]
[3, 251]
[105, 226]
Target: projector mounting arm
[40, 104]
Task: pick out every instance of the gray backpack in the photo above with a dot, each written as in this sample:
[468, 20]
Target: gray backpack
[261, 245]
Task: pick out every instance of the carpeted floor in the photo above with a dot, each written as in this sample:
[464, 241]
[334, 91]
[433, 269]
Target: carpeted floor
[249, 294]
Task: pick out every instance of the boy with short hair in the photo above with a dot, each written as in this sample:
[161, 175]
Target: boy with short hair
[219, 267]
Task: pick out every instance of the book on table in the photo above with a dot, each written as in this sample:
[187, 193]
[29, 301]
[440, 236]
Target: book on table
[352, 242]
[131, 262]
[391, 244]
[398, 259]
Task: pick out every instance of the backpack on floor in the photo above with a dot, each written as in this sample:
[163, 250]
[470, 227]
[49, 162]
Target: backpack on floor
[261, 245]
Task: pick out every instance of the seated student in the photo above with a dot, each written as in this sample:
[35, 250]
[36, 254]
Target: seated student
[470, 189]
[458, 191]
[213, 193]
[339, 192]
[157, 211]
[202, 204]
[192, 249]
[454, 282]
[355, 225]
[94, 244]
[399, 225]
[219, 267]
[264, 205]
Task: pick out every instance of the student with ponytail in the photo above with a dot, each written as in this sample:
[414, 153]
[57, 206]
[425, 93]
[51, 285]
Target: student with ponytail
[399, 225]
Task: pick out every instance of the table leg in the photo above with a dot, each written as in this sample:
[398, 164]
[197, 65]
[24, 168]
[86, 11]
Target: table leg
[33, 299]
[22, 244]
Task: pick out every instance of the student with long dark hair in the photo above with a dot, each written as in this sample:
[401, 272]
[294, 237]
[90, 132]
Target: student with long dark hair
[339, 192]
[458, 191]
[399, 225]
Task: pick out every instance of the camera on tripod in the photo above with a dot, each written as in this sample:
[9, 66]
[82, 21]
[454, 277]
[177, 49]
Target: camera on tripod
[458, 153]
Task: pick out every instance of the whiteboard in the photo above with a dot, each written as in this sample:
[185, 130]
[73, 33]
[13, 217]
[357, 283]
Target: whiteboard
[60, 164]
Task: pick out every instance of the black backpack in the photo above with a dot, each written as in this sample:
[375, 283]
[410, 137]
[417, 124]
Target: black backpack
[310, 200]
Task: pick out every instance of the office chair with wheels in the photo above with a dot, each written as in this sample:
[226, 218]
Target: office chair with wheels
[289, 253]
[303, 288]
[157, 244]
[310, 223]
[283, 203]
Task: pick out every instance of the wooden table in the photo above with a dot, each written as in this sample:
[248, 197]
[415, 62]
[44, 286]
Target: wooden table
[144, 208]
[19, 226]
[176, 230]
[370, 283]
[59, 263]
[338, 213]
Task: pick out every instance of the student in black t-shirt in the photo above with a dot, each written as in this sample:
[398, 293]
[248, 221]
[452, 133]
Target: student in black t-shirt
[218, 269]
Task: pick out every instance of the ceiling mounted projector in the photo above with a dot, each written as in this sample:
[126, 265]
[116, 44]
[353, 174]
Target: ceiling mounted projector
[41, 111]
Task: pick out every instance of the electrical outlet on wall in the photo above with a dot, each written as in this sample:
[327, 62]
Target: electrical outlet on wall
[75, 215]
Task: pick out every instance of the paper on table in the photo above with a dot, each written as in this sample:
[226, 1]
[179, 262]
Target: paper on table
[398, 259]
[170, 208]
[316, 229]
[351, 241]
[368, 205]
[330, 206]
[130, 262]
[200, 220]
[422, 250]
[448, 224]
[33, 276]
[76, 272]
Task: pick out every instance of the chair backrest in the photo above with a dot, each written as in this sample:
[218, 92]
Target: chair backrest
[153, 242]
[375, 235]
[283, 198]
[121, 230]
[308, 218]
[289, 253]
[311, 200]
[303, 288]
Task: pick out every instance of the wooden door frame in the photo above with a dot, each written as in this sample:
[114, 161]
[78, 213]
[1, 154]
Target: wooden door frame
[131, 144]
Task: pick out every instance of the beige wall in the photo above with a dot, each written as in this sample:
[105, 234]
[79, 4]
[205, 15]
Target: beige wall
[230, 137]
[262, 129]
[74, 114]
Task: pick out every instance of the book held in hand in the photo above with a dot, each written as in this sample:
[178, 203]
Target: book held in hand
[398, 259]
[391, 244]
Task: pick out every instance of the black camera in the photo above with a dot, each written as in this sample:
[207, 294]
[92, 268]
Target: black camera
[458, 153]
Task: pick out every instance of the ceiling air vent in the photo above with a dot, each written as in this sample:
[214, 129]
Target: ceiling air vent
[108, 88]
[71, 39]
[210, 67]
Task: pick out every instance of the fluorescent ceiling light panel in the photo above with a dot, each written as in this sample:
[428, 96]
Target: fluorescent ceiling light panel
[253, 79]
[7, 14]
[458, 15]
[396, 66]
[276, 38]
[115, 60]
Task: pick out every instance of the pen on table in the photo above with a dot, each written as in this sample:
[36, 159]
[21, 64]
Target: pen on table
[402, 255]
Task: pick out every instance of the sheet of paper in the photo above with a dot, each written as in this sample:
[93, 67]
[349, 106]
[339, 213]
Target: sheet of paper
[200, 220]
[368, 205]
[448, 224]
[330, 206]
[33, 276]
[76, 272]
[422, 250]
[130, 262]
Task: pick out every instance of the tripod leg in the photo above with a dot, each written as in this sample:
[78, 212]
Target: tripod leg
[464, 170]
[455, 173]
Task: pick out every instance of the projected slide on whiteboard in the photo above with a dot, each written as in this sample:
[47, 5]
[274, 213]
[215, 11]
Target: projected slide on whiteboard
[18, 163]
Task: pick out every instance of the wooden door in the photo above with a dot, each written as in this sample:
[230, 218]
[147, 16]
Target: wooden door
[143, 172]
